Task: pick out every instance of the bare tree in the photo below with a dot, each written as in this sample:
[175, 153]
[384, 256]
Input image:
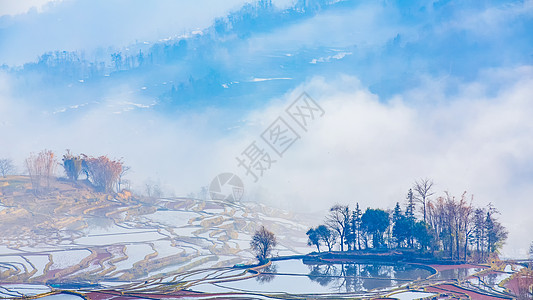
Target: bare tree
[457, 224]
[423, 192]
[339, 221]
[6, 167]
[467, 223]
[121, 180]
[41, 168]
[153, 190]
[262, 243]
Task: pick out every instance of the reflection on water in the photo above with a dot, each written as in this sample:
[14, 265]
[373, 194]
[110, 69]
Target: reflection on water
[293, 276]
[354, 277]
[267, 274]
[62, 297]
[493, 279]
[459, 273]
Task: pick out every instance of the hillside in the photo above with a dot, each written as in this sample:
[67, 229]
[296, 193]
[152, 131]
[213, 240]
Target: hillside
[77, 234]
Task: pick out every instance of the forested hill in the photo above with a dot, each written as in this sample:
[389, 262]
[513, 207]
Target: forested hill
[261, 51]
[192, 69]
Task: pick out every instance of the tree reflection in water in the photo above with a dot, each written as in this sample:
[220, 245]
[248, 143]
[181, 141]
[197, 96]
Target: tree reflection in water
[356, 277]
[267, 274]
[459, 273]
[322, 274]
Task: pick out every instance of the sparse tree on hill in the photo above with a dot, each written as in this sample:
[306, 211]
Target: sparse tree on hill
[6, 167]
[263, 241]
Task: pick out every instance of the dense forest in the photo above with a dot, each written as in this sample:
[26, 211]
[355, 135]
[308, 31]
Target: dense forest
[445, 226]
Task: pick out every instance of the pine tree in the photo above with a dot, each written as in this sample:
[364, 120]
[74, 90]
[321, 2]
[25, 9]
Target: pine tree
[397, 212]
[410, 215]
[356, 217]
[410, 209]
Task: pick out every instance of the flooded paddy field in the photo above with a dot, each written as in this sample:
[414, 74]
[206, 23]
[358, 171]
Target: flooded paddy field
[83, 244]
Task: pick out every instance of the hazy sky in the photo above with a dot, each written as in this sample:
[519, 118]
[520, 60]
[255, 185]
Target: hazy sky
[467, 125]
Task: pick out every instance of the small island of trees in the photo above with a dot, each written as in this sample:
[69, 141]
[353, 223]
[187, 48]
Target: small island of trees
[447, 227]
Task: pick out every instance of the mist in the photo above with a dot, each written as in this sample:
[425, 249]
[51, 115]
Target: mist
[406, 100]
[364, 149]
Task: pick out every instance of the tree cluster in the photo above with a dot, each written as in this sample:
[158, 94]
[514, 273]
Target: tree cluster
[462, 230]
[448, 226]
[103, 173]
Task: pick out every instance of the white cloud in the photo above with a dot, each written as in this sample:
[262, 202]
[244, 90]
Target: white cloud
[367, 151]
[364, 149]
[16, 7]
[492, 20]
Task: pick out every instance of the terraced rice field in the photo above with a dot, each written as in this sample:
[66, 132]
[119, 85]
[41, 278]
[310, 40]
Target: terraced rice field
[76, 235]
[123, 247]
